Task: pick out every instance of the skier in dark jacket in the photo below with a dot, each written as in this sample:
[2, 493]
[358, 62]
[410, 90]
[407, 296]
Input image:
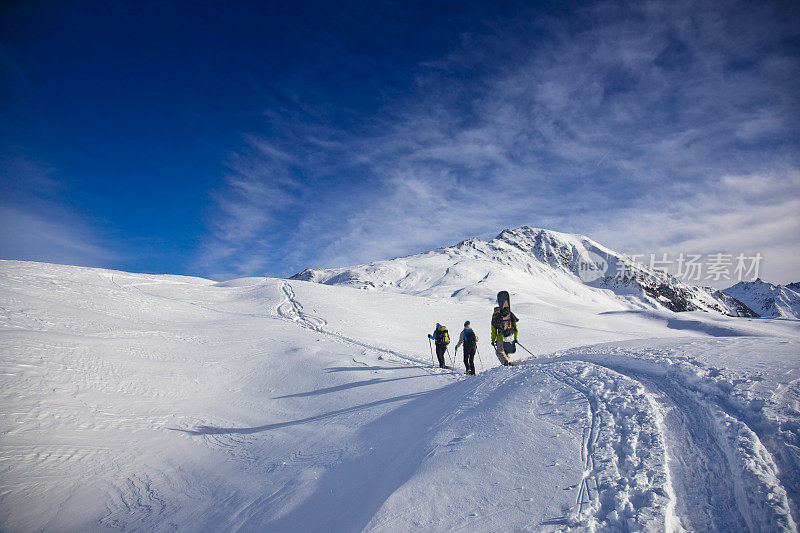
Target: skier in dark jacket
[470, 341]
[442, 339]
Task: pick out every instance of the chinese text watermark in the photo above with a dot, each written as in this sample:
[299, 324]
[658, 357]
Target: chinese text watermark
[688, 267]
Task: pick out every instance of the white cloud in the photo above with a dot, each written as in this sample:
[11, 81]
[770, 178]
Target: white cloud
[257, 193]
[648, 126]
[737, 214]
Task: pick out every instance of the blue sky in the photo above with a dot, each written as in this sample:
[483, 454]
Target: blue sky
[225, 139]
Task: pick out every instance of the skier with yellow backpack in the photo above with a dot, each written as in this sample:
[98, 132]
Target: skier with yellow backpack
[442, 338]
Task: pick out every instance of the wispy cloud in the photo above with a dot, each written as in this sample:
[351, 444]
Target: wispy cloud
[35, 225]
[747, 214]
[257, 194]
[647, 126]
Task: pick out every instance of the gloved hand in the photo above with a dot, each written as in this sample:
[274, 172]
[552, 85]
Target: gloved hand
[515, 341]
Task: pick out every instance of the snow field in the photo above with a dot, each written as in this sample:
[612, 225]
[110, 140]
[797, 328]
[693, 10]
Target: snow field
[160, 402]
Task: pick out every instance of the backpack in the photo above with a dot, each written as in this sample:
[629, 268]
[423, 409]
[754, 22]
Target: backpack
[509, 324]
[442, 337]
[469, 338]
[506, 325]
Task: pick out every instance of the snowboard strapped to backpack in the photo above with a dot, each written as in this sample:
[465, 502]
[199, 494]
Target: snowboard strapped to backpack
[503, 319]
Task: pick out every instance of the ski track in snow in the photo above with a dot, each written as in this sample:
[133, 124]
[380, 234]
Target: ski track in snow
[723, 477]
[291, 309]
[625, 484]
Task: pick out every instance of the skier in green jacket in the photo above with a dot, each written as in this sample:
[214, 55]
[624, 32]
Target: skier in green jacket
[504, 334]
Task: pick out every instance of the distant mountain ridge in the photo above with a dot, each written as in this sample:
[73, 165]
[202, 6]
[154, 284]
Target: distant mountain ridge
[540, 262]
[768, 299]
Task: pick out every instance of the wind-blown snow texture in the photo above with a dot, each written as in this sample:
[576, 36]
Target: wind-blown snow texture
[776, 301]
[142, 402]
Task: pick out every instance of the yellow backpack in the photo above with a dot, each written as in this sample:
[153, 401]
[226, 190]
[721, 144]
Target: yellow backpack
[442, 337]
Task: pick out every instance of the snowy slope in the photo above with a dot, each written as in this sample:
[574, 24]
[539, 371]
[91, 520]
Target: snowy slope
[767, 299]
[145, 402]
[535, 261]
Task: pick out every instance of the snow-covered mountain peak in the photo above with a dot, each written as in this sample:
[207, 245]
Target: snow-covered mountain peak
[544, 265]
[563, 251]
[768, 299]
[527, 237]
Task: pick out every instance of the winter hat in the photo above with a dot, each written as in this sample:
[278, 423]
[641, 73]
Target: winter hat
[466, 324]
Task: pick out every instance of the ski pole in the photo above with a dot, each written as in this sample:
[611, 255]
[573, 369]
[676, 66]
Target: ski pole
[524, 348]
[431, 347]
[479, 357]
[452, 361]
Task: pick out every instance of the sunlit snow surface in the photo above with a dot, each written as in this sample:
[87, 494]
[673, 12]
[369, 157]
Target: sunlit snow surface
[144, 402]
